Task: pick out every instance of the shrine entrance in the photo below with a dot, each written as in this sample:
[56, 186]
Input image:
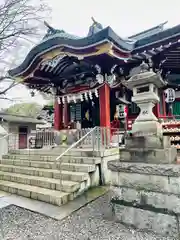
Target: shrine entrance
[90, 114]
[86, 113]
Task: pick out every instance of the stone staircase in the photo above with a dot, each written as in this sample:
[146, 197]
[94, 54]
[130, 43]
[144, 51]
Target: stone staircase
[36, 174]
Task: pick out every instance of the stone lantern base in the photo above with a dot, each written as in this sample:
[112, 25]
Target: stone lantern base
[148, 149]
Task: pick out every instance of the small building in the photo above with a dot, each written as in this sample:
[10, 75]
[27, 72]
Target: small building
[19, 128]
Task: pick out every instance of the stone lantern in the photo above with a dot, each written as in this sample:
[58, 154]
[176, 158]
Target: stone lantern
[147, 143]
[145, 87]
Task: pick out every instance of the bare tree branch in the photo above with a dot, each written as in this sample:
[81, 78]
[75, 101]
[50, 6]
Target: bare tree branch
[19, 19]
[5, 98]
[12, 84]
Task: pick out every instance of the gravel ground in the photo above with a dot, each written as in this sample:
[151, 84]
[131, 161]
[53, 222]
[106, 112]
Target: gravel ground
[89, 223]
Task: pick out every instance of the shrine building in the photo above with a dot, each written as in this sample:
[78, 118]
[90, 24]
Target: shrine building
[87, 75]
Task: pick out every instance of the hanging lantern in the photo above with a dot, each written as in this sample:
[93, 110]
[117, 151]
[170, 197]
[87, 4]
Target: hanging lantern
[81, 97]
[74, 99]
[90, 95]
[96, 92]
[86, 96]
[170, 95]
[68, 99]
[59, 100]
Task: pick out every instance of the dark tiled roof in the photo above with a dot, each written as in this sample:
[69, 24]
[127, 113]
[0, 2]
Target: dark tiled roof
[166, 34]
[105, 35]
[149, 31]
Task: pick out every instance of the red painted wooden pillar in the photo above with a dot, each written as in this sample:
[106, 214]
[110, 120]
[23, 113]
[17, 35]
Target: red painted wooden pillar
[164, 104]
[66, 114]
[104, 103]
[58, 116]
[156, 110]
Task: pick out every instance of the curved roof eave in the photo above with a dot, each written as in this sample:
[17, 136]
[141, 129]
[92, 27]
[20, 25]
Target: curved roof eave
[156, 39]
[57, 41]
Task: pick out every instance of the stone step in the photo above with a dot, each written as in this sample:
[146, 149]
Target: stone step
[30, 157]
[78, 167]
[57, 152]
[83, 160]
[43, 194]
[49, 173]
[50, 183]
[51, 165]
[84, 152]
[67, 159]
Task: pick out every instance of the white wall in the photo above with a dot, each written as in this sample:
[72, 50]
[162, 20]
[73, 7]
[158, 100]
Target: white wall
[13, 129]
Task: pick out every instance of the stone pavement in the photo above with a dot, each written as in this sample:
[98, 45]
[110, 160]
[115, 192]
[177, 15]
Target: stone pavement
[92, 222]
[2, 197]
[50, 210]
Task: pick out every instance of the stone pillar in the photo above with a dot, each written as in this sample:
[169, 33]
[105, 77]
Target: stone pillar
[104, 103]
[58, 111]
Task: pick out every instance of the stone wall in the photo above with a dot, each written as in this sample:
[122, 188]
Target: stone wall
[147, 196]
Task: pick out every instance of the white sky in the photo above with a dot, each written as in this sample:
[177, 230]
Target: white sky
[125, 17]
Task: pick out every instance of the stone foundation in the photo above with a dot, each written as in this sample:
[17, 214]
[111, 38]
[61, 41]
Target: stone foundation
[147, 196]
[148, 149]
[167, 155]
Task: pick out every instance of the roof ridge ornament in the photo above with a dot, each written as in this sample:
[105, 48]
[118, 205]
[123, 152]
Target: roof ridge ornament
[51, 31]
[94, 28]
[144, 67]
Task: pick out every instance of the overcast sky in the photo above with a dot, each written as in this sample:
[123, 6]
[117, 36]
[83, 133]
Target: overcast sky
[126, 17]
